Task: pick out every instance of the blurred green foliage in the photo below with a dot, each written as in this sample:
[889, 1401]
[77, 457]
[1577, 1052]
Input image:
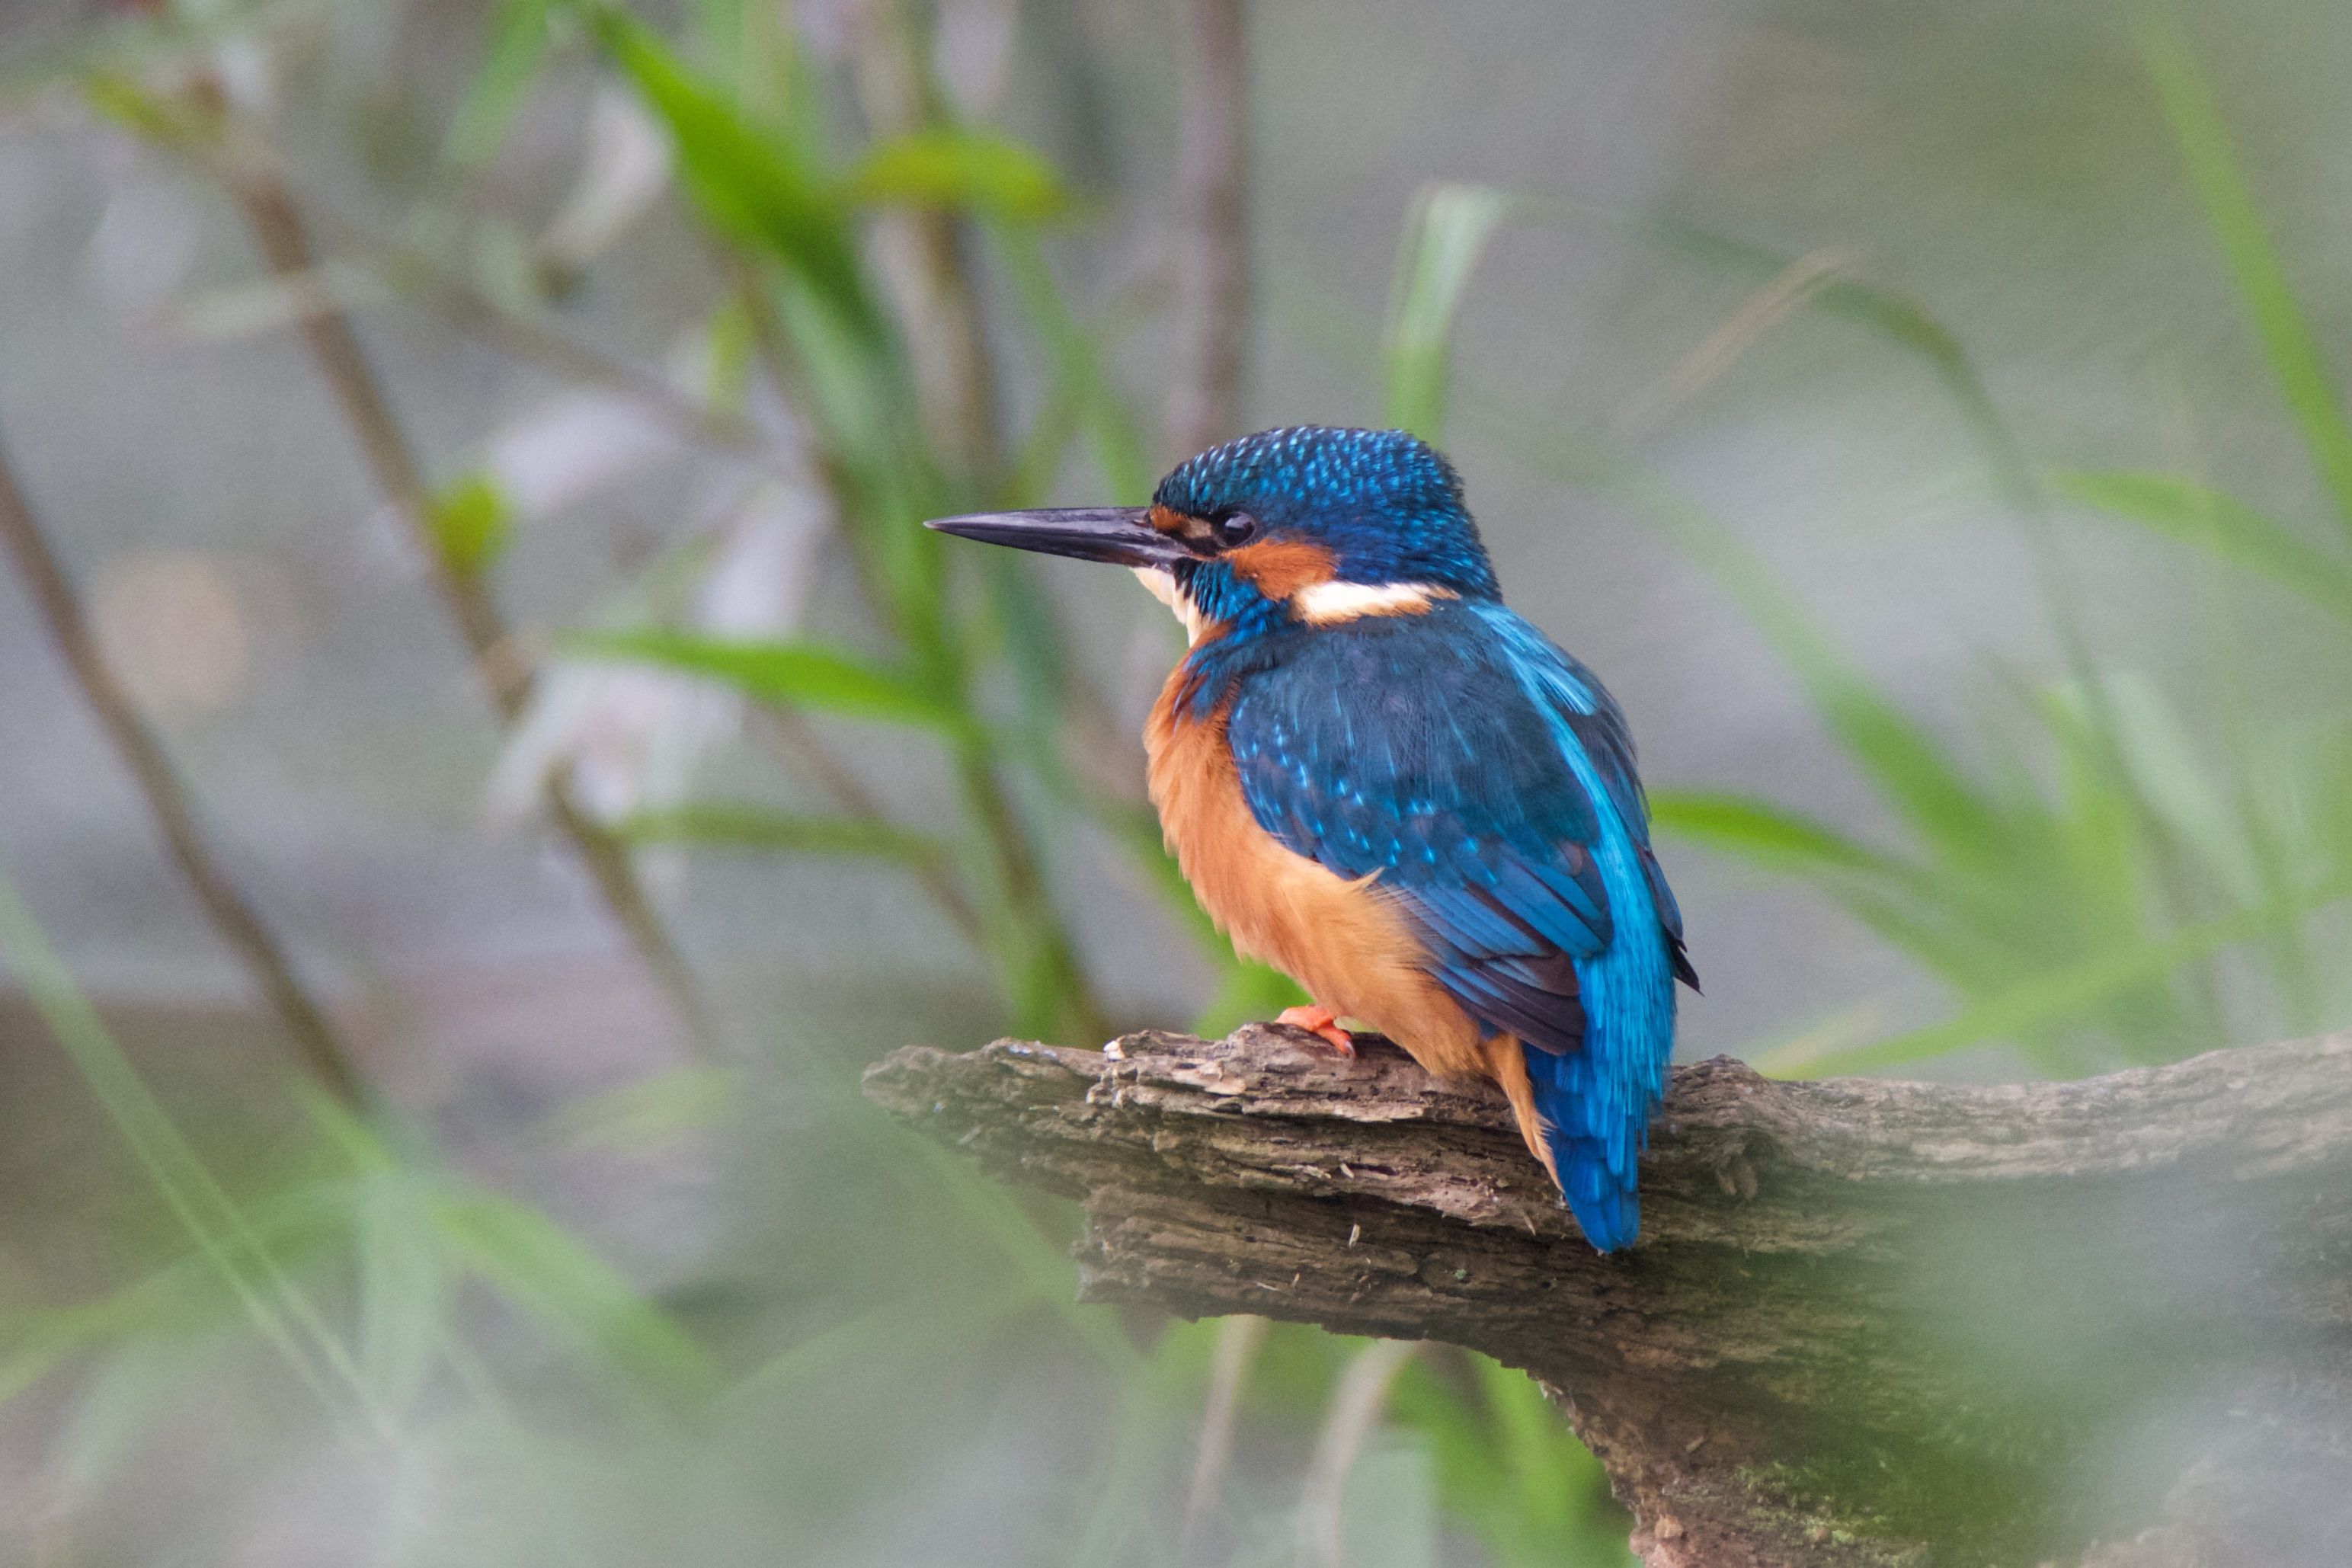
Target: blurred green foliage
[2088, 888]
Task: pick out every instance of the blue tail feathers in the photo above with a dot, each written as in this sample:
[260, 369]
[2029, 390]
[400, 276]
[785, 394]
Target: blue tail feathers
[1596, 1100]
[1596, 1132]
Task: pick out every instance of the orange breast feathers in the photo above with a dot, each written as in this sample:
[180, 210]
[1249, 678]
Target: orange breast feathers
[1336, 936]
[1339, 937]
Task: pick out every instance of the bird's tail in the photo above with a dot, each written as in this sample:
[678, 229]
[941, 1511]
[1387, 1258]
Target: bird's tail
[1546, 1099]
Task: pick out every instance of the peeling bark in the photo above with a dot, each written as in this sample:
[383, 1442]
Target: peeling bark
[2107, 1322]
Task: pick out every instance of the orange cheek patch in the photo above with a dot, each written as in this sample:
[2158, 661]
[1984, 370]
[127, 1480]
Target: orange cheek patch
[1280, 568]
[1167, 519]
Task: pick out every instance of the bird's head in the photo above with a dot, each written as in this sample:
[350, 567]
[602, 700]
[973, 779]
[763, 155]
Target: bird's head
[1302, 525]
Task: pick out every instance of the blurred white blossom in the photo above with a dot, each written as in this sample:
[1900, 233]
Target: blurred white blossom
[572, 445]
[623, 172]
[633, 737]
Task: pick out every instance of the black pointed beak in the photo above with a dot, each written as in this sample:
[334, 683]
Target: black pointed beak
[1122, 535]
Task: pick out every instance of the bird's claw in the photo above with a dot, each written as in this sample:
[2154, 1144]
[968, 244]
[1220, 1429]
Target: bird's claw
[1321, 1021]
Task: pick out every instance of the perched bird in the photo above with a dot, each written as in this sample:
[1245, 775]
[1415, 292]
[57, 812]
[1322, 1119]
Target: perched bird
[1387, 785]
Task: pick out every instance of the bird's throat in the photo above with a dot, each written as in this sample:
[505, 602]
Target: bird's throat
[1161, 585]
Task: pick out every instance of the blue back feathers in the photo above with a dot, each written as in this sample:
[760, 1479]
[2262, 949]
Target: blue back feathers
[1484, 774]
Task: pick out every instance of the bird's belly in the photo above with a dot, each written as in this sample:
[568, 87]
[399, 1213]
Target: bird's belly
[1337, 937]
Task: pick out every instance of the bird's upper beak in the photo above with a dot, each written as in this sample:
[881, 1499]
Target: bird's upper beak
[1122, 535]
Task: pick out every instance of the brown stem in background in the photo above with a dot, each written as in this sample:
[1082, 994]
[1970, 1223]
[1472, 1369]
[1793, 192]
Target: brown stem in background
[284, 244]
[1050, 961]
[240, 924]
[849, 794]
[925, 259]
[1213, 282]
[1035, 936]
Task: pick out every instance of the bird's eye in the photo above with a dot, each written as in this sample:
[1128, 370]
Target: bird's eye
[1234, 528]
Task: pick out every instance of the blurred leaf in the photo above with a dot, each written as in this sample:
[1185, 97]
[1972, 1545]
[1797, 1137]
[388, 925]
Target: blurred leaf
[1915, 772]
[803, 673]
[403, 1287]
[2220, 524]
[127, 102]
[214, 1223]
[1896, 318]
[1120, 450]
[1509, 1470]
[754, 185]
[734, 347]
[1388, 1508]
[1757, 830]
[545, 1270]
[119, 1405]
[2068, 991]
[1433, 268]
[2204, 141]
[35, 1344]
[472, 522]
[959, 170]
[652, 1110]
[763, 827]
[510, 63]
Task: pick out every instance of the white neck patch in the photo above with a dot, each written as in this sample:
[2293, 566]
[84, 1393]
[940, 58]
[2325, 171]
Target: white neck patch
[1329, 603]
[1161, 583]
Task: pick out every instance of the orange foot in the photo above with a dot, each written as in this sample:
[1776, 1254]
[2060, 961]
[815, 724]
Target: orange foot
[1321, 1020]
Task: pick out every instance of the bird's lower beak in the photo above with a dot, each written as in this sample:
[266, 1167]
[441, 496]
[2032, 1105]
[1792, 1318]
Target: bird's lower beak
[1122, 535]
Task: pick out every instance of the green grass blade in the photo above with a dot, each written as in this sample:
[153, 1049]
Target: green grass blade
[2254, 266]
[1916, 772]
[404, 1286]
[213, 1221]
[1441, 250]
[803, 673]
[753, 185]
[2218, 524]
[511, 64]
[648, 1112]
[2068, 991]
[1120, 450]
[546, 1271]
[959, 170]
[1897, 319]
[731, 824]
[1757, 830]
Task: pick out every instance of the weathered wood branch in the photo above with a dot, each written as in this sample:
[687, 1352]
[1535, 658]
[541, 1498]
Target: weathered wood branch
[1868, 1323]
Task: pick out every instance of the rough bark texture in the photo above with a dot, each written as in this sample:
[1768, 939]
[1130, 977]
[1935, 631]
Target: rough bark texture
[2107, 1322]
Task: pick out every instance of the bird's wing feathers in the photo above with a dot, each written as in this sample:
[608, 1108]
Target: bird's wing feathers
[1412, 750]
[1598, 724]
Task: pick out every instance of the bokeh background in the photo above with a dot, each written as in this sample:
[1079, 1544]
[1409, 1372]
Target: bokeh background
[1921, 416]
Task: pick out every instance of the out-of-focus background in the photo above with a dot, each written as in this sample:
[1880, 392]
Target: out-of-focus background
[466, 458]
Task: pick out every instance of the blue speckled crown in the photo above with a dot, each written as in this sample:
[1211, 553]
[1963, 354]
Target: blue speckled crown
[1387, 501]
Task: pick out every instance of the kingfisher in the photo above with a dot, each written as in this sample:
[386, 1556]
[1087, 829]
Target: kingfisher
[1398, 792]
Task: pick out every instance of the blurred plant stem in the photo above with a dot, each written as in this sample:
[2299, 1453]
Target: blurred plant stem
[1357, 1403]
[1212, 261]
[274, 218]
[1239, 1339]
[795, 737]
[231, 915]
[925, 259]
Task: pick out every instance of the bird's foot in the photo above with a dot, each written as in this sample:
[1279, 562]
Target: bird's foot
[1321, 1020]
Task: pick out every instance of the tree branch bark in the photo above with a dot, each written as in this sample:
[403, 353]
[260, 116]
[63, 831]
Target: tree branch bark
[1868, 1323]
